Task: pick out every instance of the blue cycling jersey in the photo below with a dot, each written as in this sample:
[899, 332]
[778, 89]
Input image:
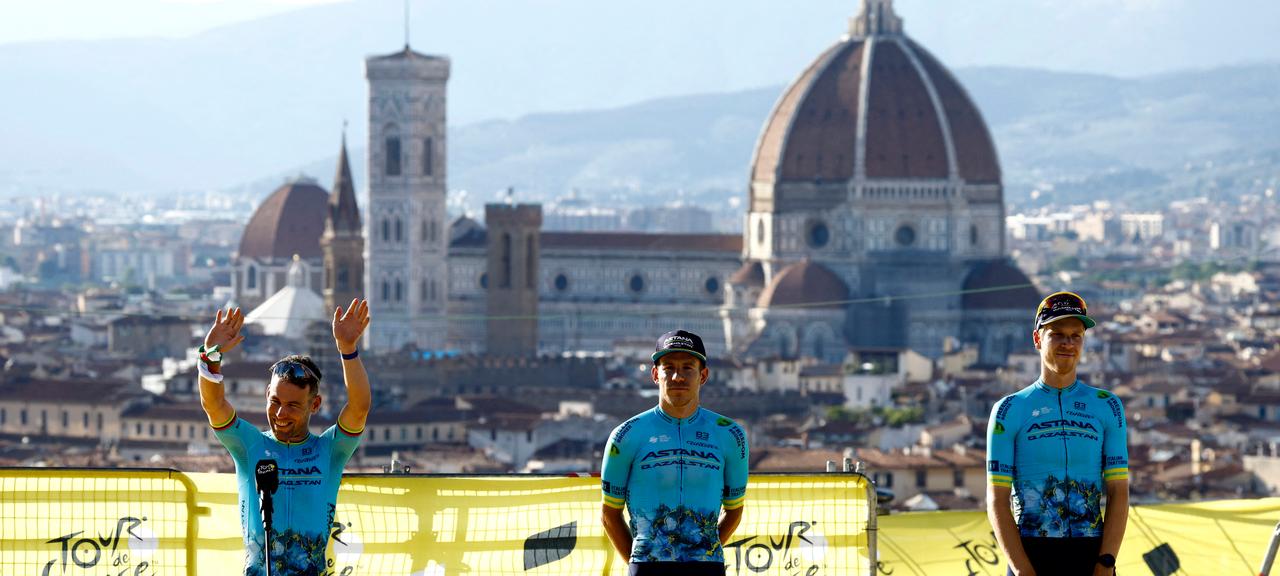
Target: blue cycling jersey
[1056, 449]
[310, 472]
[673, 475]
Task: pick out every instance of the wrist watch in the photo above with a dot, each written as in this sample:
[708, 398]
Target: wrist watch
[1107, 561]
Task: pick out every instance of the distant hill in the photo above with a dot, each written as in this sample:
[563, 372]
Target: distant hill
[1067, 135]
[239, 106]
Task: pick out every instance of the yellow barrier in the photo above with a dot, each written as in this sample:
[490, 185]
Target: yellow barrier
[427, 525]
[1206, 538]
[73, 521]
[136, 522]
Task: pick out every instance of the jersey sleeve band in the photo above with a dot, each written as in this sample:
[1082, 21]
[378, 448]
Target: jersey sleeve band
[231, 420]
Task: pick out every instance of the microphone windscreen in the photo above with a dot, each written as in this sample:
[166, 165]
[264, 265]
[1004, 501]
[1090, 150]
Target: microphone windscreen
[267, 475]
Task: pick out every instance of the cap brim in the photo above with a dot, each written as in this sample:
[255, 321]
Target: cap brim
[661, 353]
[1088, 322]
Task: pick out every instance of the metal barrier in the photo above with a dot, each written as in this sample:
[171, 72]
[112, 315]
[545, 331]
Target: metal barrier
[95, 521]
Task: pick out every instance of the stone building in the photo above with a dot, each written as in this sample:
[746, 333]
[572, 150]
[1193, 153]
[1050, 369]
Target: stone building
[406, 271]
[875, 200]
[287, 224]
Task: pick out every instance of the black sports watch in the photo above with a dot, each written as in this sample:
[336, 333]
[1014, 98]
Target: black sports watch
[1107, 561]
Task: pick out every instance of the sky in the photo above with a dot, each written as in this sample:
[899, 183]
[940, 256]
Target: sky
[1119, 37]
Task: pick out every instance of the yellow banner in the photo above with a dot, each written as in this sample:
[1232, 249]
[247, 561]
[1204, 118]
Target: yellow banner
[1222, 537]
[407, 525]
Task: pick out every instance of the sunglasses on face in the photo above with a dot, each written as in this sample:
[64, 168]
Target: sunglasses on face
[293, 371]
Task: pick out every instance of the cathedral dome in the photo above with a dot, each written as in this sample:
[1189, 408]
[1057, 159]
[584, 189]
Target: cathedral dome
[288, 222]
[751, 275]
[876, 105]
[999, 285]
[805, 284]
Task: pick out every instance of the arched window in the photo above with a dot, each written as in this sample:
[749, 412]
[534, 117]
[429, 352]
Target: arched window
[504, 281]
[386, 291]
[343, 279]
[399, 290]
[428, 157]
[386, 230]
[392, 151]
[399, 231]
[251, 277]
[530, 263]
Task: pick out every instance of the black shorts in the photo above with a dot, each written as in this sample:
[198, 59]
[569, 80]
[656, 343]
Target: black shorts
[1062, 556]
[675, 569]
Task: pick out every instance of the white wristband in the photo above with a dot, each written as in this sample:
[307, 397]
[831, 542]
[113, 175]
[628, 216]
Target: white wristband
[207, 375]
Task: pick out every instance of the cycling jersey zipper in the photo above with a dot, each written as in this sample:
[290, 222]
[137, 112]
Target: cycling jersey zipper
[1066, 457]
[680, 444]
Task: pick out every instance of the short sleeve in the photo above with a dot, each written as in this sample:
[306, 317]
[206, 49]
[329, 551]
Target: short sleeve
[736, 460]
[615, 469]
[238, 436]
[1000, 445]
[1115, 444]
[342, 445]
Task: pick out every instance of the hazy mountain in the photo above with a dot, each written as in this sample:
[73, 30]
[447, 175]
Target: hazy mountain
[1086, 136]
[252, 101]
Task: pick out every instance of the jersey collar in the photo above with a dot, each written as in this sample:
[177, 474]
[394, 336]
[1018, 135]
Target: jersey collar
[1041, 386]
[677, 421]
[291, 444]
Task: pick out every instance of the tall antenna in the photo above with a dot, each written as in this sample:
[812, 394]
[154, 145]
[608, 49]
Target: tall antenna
[406, 25]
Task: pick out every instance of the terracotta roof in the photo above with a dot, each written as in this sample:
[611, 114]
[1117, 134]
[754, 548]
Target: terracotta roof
[638, 241]
[750, 274]
[805, 283]
[812, 131]
[779, 459]
[92, 392]
[288, 222]
[985, 277]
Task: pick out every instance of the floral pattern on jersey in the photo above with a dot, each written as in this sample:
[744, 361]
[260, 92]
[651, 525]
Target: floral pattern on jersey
[677, 535]
[292, 553]
[1060, 508]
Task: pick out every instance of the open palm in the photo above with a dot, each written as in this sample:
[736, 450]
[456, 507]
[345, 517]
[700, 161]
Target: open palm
[225, 332]
[349, 324]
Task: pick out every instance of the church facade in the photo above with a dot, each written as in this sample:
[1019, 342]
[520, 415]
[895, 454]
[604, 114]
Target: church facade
[875, 220]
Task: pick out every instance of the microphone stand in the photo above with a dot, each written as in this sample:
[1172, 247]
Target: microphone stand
[267, 506]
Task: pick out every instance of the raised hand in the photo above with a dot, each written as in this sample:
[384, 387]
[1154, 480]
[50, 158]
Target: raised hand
[225, 333]
[349, 324]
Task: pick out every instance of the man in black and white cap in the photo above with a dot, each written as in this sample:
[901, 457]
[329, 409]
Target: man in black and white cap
[674, 468]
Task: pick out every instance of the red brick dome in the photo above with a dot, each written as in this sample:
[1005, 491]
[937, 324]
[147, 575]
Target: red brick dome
[290, 221]
[805, 284]
[914, 119]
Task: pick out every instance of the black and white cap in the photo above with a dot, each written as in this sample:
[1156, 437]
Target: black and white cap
[680, 341]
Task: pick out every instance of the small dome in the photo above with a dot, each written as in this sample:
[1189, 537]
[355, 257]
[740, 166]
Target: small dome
[751, 274]
[999, 285]
[805, 284]
[290, 221]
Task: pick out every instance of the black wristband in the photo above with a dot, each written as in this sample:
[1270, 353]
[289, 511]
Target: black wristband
[351, 356]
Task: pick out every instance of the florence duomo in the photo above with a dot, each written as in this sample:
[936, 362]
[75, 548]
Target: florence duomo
[874, 219]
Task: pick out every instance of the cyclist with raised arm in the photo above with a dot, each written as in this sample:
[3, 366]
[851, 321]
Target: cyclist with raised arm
[309, 466]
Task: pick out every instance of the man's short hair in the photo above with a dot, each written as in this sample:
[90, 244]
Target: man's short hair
[299, 370]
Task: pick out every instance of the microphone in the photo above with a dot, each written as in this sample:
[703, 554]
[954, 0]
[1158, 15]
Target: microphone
[267, 477]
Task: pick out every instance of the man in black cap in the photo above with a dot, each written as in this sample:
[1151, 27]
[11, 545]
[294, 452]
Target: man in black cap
[673, 468]
[1054, 449]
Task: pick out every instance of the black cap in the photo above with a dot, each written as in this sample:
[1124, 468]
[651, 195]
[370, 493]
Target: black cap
[1061, 305]
[680, 341]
